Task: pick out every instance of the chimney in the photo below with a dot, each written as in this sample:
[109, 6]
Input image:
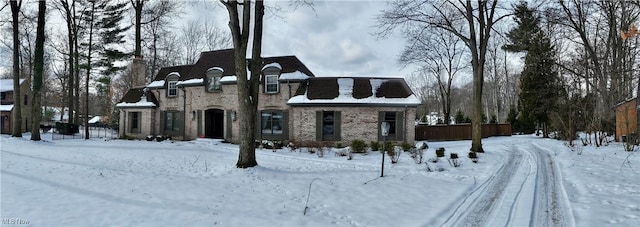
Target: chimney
[138, 77]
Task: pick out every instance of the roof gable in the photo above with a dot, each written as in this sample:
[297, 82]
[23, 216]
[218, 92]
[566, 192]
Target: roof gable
[6, 85]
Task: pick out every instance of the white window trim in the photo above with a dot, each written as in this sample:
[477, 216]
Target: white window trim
[266, 84]
[170, 88]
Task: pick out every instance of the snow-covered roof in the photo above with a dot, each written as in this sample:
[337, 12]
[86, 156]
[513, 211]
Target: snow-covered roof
[6, 107]
[7, 84]
[297, 75]
[190, 82]
[229, 79]
[274, 64]
[156, 84]
[141, 103]
[355, 91]
[95, 119]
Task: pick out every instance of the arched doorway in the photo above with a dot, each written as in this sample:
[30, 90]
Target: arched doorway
[214, 123]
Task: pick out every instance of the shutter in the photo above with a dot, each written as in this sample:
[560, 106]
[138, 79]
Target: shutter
[400, 126]
[337, 124]
[285, 125]
[229, 121]
[163, 121]
[318, 125]
[179, 116]
[380, 120]
[258, 126]
[199, 117]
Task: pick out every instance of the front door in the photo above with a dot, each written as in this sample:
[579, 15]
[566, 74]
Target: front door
[214, 124]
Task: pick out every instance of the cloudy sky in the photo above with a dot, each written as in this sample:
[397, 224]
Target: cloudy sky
[334, 38]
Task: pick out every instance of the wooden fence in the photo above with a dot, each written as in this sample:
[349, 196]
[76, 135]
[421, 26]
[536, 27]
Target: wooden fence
[459, 131]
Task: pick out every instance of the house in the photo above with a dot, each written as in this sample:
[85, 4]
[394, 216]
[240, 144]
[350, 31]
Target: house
[8, 101]
[200, 100]
[626, 119]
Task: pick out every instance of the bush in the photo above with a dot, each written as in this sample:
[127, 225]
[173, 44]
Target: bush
[389, 146]
[453, 155]
[150, 138]
[394, 153]
[359, 146]
[406, 146]
[440, 152]
[375, 145]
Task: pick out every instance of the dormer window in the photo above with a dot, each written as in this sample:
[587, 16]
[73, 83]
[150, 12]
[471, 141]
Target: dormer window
[271, 83]
[172, 82]
[213, 80]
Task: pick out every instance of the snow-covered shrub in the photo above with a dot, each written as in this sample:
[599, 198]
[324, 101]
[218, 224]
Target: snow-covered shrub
[453, 160]
[416, 155]
[162, 138]
[358, 146]
[150, 138]
[394, 153]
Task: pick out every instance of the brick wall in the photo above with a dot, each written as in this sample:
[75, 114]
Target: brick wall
[356, 123]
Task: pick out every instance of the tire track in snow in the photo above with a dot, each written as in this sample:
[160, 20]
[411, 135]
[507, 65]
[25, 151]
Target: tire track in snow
[484, 199]
[551, 206]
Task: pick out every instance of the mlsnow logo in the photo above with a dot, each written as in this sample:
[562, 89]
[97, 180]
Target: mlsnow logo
[15, 221]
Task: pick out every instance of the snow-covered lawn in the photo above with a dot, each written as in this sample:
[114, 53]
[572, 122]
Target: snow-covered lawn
[115, 182]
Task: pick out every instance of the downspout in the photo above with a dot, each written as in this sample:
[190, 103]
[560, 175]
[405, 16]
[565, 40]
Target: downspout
[156, 127]
[406, 132]
[184, 114]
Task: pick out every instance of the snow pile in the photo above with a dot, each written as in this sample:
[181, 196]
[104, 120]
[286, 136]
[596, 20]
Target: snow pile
[188, 82]
[156, 84]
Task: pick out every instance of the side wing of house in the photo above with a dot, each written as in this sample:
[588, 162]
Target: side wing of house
[8, 101]
[345, 109]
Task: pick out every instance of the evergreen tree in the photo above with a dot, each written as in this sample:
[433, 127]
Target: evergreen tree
[459, 117]
[539, 82]
[527, 25]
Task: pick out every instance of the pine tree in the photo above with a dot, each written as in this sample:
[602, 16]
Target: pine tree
[527, 25]
[539, 82]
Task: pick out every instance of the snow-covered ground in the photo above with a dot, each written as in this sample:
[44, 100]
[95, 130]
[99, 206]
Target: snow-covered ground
[519, 181]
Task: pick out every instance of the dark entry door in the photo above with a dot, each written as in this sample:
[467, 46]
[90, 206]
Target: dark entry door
[214, 124]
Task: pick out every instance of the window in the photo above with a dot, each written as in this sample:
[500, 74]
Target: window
[4, 95]
[390, 117]
[26, 100]
[172, 89]
[271, 83]
[171, 121]
[172, 84]
[272, 122]
[396, 125]
[213, 80]
[134, 122]
[328, 126]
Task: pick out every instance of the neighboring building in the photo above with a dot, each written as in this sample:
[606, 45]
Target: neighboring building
[200, 100]
[8, 101]
[626, 119]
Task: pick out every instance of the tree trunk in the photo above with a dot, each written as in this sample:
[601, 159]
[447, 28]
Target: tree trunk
[477, 63]
[86, 85]
[247, 101]
[38, 73]
[16, 116]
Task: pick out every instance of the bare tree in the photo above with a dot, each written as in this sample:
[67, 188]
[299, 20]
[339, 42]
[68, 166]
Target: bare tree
[17, 110]
[438, 53]
[470, 21]
[36, 110]
[248, 88]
